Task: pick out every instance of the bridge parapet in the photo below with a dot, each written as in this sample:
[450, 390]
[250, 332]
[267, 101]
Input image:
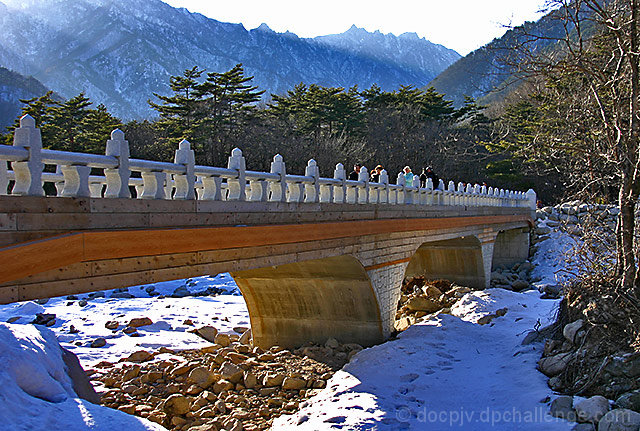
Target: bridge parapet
[184, 180]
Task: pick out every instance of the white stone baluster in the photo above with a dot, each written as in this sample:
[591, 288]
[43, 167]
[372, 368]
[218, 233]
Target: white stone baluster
[460, 194]
[76, 181]
[185, 183]
[490, 196]
[153, 185]
[312, 191]
[211, 188]
[339, 192]
[430, 194]
[295, 192]
[451, 191]
[28, 174]
[401, 193]
[118, 177]
[4, 178]
[278, 188]
[259, 190]
[363, 191]
[96, 189]
[383, 195]
[238, 185]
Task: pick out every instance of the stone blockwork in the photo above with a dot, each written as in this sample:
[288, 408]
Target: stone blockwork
[387, 282]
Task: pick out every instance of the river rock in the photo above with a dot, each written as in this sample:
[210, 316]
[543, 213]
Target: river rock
[112, 325]
[176, 404]
[201, 376]
[272, 380]
[620, 420]
[231, 372]
[293, 383]
[139, 356]
[208, 333]
[245, 338]
[570, 330]
[420, 303]
[554, 365]
[592, 409]
[140, 321]
[630, 400]
[98, 342]
[562, 407]
[223, 340]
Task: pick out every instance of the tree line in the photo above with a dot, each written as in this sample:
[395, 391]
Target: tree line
[217, 111]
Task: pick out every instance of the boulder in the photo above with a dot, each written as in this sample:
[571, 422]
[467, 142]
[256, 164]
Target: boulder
[112, 325]
[222, 385]
[139, 356]
[630, 400]
[271, 380]
[592, 409]
[250, 380]
[246, 337]
[332, 343]
[571, 330]
[99, 342]
[519, 285]
[201, 376]
[554, 365]
[231, 372]
[620, 420]
[208, 333]
[432, 292]
[420, 303]
[223, 340]
[562, 407]
[176, 404]
[293, 383]
[140, 321]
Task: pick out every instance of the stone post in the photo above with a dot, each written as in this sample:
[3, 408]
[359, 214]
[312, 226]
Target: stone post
[118, 177]
[339, 192]
[278, 188]
[28, 174]
[185, 184]
[312, 191]
[363, 192]
[237, 186]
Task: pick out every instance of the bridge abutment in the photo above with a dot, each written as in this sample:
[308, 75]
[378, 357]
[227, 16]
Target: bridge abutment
[511, 247]
[387, 283]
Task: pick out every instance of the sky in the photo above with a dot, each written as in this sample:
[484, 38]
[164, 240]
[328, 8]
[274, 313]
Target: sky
[463, 25]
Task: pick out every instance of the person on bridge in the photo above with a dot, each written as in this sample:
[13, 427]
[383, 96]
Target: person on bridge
[375, 174]
[408, 176]
[353, 176]
[430, 174]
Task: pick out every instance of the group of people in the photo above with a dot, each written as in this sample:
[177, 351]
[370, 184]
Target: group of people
[410, 179]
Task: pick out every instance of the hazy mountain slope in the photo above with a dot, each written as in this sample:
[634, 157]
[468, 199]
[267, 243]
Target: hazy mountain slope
[14, 87]
[489, 68]
[119, 53]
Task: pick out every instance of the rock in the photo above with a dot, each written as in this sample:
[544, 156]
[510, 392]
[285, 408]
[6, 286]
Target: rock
[420, 303]
[501, 312]
[112, 325]
[246, 337]
[620, 420]
[236, 358]
[240, 329]
[562, 407]
[140, 321]
[555, 383]
[44, 319]
[180, 292]
[592, 409]
[99, 342]
[458, 291]
[432, 292]
[140, 356]
[542, 230]
[553, 365]
[209, 333]
[404, 323]
[271, 380]
[121, 295]
[519, 285]
[223, 340]
[484, 320]
[293, 383]
[570, 330]
[630, 400]
[526, 266]
[222, 385]
[250, 380]
[231, 372]
[129, 330]
[332, 343]
[176, 404]
[201, 376]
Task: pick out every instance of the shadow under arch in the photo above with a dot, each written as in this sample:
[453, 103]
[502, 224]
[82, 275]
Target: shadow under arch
[458, 260]
[510, 247]
[312, 300]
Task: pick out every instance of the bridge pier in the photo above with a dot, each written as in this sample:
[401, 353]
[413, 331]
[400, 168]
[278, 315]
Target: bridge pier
[387, 283]
[511, 247]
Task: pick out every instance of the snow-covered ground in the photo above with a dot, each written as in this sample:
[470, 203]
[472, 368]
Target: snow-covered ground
[446, 373]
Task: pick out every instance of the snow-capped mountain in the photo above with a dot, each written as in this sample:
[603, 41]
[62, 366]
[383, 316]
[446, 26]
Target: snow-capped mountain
[121, 52]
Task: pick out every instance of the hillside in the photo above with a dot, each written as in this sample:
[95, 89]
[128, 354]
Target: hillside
[120, 53]
[14, 87]
[486, 71]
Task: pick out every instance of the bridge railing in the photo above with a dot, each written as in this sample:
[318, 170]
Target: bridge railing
[183, 179]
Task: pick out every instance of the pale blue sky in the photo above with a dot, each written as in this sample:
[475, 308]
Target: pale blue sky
[463, 25]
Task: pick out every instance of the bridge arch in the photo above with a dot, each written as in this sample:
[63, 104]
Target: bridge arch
[510, 247]
[460, 260]
[311, 300]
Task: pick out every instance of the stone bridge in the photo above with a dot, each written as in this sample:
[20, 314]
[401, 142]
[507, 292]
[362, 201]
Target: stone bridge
[314, 257]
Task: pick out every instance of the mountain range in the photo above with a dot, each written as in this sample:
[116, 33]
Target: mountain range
[121, 52]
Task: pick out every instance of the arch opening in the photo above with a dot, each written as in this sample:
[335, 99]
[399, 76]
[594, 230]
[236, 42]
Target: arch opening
[458, 260]
[510, 247]
[311, 301]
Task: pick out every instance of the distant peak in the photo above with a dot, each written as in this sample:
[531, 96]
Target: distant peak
[410, 35]
[264, 27]
[354, 29]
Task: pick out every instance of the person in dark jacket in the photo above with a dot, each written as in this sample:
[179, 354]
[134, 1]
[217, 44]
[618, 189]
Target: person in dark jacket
[430, 174]
[353, 176]
[375, 174]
